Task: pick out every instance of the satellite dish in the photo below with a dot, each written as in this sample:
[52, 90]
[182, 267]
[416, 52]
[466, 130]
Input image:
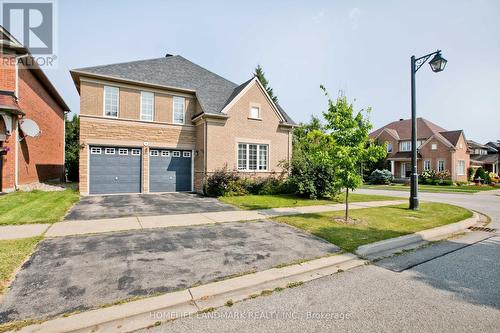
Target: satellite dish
[30, 127]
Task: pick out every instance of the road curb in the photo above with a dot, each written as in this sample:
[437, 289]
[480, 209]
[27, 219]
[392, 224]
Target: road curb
[420, 237]
[149, 311]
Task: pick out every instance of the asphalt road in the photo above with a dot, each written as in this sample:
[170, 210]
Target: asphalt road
[456, 292]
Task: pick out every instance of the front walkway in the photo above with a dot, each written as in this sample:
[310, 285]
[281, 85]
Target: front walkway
[81, 227]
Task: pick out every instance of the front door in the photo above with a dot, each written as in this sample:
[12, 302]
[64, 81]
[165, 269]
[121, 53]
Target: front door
[405, 169]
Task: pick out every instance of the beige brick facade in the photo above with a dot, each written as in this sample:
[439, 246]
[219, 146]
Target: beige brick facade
[213, 141]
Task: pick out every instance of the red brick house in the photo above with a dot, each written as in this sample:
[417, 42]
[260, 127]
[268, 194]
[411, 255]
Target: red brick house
[27, 95]
[438, 149]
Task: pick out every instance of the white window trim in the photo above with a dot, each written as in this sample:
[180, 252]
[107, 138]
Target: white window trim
[430, 165]
[154, 152]
[183, 111]
[434, 146]
[106, 151]
[460, 172]
[97, 151]
[124, 150]
[176, 153]
[259, 115]
[444, 165]
[165, 153]
[153, 105]
[247, 144]
[135, 152]
[389, 144]
[117, 102]
[402, 145]
[186, 154]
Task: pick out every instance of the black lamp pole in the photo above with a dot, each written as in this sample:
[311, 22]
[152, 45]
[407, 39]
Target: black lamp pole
[437, 64]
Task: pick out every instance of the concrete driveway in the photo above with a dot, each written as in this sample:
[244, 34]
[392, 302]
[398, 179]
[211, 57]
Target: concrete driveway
[114, 206]
[77, 273]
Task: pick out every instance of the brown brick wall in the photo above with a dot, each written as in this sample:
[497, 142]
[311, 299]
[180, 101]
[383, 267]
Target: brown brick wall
[223, 137]
[7, 72]
[461, 154]
[40, 158]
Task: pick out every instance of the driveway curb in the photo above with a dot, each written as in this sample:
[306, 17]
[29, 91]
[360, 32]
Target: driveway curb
[149, 311]
[389, 246]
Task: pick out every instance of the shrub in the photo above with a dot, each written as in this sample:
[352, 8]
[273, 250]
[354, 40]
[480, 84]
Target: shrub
[217, 184]
[445, 182]
[380, 177]
[494, 178]
[470, 173]
[480, 173]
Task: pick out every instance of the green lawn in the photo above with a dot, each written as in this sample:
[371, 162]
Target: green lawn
[289, 200]
[378, 223]
[434, 188]
[12, 254]
[35, 206]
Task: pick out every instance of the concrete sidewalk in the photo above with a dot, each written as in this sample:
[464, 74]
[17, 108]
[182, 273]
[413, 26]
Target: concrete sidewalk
[69, 228]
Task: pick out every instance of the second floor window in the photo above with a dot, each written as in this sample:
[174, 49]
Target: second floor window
[405, 146]
[389, 147]
[147, 105]
[255, 112]
[179, 107]
[111, 95]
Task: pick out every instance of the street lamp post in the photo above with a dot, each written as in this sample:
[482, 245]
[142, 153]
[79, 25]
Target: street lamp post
[437, 64]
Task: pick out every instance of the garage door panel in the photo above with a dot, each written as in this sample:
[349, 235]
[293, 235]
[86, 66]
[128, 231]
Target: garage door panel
[169, 173]
[114, 173]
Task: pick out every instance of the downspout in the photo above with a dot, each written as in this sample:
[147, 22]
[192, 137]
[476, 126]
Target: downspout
[16, 150]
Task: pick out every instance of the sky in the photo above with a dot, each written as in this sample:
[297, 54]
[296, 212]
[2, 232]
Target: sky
[362, 48]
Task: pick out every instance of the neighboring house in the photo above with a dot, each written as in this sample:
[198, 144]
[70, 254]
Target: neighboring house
[26, 93]
[163, 125]
[486, 156]
[438, 149]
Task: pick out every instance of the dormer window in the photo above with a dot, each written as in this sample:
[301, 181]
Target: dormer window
[254, 112]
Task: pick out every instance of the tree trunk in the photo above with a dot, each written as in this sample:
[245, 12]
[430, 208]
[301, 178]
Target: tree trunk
[346, 204]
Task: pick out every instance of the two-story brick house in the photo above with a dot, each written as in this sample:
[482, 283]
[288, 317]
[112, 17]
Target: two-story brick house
[27, 96]
[164, 124]
[438, 149]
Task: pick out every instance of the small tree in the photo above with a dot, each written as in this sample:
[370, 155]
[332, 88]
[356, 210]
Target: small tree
[259, 72]
[351, 145]
[312, 172]
[72, 148]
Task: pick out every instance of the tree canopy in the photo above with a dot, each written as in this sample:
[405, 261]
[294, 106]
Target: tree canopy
[259, 73]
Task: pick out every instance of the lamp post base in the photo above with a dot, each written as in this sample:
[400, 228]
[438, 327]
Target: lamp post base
[414, 203]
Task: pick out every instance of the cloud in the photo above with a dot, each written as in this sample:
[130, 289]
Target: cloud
[354, 16]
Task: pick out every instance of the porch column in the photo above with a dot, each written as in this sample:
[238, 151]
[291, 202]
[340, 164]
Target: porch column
[392, 167]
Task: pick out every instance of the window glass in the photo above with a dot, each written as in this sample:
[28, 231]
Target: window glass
[111, 101]
[405, 146]
[440, 165]
[389, 147]
[136, 152]
[262, 157]
[461, 168]
[252, 157]
[427, 165]
[95, 150]
[255, 112]
[176, 154]
[122, 151]
[179, 107]
[147, 105]
[165, 153]
[109, 151]
[154, 153]
[186, 154]
[242, 156]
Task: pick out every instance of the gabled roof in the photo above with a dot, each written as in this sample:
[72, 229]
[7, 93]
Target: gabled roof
[452, 136]
[8, 41]
[176, 72]
[425, 129]
[476, 145]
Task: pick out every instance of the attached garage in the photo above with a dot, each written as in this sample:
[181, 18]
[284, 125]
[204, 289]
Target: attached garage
[170, 170]
[114, 170]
